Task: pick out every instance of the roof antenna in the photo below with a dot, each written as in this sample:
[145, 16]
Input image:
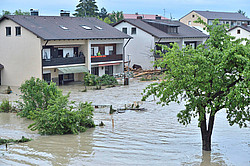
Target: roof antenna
[171, 17]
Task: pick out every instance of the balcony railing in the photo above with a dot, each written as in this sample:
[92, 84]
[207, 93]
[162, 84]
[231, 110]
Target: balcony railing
[63, 61]
[106, 58]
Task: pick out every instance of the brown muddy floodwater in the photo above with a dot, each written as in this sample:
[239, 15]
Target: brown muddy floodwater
[152, 137]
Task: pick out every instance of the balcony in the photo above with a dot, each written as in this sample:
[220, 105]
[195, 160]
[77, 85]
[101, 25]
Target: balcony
[106, 58]
[63, 61]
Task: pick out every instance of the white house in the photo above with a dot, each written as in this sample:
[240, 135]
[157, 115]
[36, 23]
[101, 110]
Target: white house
[147, 33]
[57, 48]
[240, 32]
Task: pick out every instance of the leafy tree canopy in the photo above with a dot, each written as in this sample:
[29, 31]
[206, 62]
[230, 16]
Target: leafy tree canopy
[209, 78]
[17, 12]
[103, 14]
[242, 12]
[86, 8]
[116, 16]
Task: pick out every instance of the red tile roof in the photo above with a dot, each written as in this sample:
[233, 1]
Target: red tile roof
[144, 16]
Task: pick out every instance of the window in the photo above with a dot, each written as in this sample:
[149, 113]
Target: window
[109, 70]
[125, 30]
[109, 50]
[18, 31]
[86, 27]
[193, 15]
[189, 22]
[63, 27]
[95, 71]
[94, 51]
[8, 31]
[133, 31]
[46, 54]
[99, 28]
[47, 77]
[238, 31]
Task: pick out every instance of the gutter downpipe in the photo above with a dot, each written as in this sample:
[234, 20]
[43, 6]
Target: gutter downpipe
[42, 55]
[123, 61]
[155, 48]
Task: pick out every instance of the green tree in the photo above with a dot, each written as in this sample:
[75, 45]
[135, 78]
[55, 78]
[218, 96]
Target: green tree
[6, 12]
[103, 14]
[19, 12]
[116, 16]
[86, 8]
[242, 12]
[212, 77]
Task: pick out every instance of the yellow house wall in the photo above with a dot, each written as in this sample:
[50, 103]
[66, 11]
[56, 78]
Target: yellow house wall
[20, 55]
[189, 17]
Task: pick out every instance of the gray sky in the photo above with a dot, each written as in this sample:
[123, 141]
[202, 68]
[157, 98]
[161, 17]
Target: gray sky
[177, 8]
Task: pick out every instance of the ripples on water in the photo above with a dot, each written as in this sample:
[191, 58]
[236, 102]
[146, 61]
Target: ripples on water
[153, 137]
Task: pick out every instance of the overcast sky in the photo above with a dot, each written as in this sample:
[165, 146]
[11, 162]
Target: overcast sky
[177, 8]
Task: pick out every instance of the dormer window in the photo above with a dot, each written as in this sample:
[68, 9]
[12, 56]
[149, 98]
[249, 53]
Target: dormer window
[99, 28]
[86, 27]
[63, 27]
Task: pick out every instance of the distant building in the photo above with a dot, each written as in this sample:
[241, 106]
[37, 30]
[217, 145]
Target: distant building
[57, 48]
[147, 33]
[143, 16]
[230, 18]
[241, 31]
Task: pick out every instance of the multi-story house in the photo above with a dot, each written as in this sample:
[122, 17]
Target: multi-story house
[148, 33]
[230, 18]
[57, 48]
[241, 31]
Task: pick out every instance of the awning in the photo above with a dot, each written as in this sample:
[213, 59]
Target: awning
[1, 67]
[109, 64]
[73, 69]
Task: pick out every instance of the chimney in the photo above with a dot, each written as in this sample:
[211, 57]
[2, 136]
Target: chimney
[34, 12]
[64, 13]
[139, 17]
[157, 17]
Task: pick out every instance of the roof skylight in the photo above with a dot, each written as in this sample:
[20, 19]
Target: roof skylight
[63, 27]
[99, 28]
[86, 27]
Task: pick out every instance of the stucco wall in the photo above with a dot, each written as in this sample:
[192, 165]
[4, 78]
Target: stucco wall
[20, 55]
[139, 47]
[189, 17]
[243, 33]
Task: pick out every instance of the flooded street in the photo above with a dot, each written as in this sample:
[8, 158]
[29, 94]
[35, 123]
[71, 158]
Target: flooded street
[151, 137]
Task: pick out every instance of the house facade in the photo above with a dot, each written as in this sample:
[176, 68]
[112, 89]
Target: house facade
[230, 18]
[240, 32]
[148, 33]
[58, 48]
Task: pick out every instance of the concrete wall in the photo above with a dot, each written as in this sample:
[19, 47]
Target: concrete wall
[189, 19]
[139, 48]
[20, 55]
[243, 33]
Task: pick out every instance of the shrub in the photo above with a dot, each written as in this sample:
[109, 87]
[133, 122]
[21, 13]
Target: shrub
[5, 106]
[36, 94]
[63, 117]
[51, 110]
[93, 80]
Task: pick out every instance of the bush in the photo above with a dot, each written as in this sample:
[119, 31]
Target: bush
[93, 80]
[63, 117]
[51, 110]
[36, 94]
[5, 106]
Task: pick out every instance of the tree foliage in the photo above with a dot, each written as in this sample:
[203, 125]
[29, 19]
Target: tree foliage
[103, 13]
[242, 12]
[16, 12]
[116, 16]
[212, 77]
[86, 8]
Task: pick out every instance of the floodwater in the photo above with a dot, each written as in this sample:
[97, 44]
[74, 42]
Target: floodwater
[151, 137]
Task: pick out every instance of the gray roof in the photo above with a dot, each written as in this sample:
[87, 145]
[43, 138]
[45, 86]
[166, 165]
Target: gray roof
[247, 28]
[184, 31]
[222, 15]
[48, 27]
[1, 66]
